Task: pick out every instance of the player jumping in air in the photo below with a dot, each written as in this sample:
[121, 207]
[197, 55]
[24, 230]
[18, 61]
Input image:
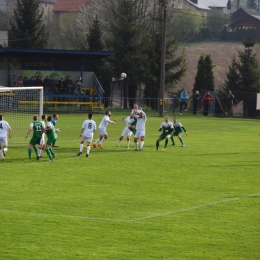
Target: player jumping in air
[135, 111]
[178, 130]
[126, 132]
[86, 134]
[167, 129]
[102, 130]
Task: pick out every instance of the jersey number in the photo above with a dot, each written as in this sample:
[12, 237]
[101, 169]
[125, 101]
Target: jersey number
[89, 125]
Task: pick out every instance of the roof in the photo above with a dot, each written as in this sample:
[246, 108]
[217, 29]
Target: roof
[199, 5]
[249, 11]
[69, 5]
[214, 3]
[52, 53]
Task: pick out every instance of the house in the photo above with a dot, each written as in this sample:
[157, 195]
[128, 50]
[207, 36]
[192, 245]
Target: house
[222, 5]
[69, 6]
[244, 18]
[46, 6]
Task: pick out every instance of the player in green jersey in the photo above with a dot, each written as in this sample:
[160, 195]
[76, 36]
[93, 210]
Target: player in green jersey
[135, 112]
[51, 135]
[178, 130]
[167, 129]
[38, 129]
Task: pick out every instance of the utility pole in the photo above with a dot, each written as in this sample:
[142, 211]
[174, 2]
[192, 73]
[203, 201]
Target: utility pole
[162, 76]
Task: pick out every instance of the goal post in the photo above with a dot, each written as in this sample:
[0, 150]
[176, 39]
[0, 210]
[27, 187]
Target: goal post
[18, 105]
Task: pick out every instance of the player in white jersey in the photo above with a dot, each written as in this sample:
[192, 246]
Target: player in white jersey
[86, 134]
[102, 130]
[135, 111]
[42, 142]
[126, 132]
[140, 130]
[5, 131]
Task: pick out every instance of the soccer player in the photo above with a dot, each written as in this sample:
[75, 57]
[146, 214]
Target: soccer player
[51, 134]
[135, 111]
[38, 129]
[167, 129]
[126, 132]
[42, 142]
[86, 134]
[140, 130]
[5, 131]
[102, 129]
[54, 122]
[178, 130]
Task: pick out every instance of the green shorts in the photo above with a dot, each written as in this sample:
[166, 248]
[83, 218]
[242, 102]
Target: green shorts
[50, 141]
[175, 133]
[164, 135]
[35, 140]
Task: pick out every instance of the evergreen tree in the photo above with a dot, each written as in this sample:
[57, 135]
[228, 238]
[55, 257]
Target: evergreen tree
[125, 38]
[204, 79]
[252, 4]
[27, 30]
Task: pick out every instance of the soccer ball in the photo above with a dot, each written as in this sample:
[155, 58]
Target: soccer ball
[123, 75]
[5, 149]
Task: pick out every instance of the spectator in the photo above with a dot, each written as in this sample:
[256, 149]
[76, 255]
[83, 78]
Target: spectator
[46, 84]
[32, 81]
[183, 100]
[69, 85]
[229, 99]
[207, 102]
[79, 85]
[61, 86]
[14, 81]
[53, 85]
[195, 98]
[20, 82]
[26, 82]
[38, 82]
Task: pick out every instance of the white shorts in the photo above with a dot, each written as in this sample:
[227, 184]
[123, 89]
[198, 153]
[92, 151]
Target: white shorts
[102, 131]
[3, 141]
[86, 138]
[126, 132]
[140, 133]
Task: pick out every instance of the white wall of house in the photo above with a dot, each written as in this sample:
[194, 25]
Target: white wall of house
[3, 37]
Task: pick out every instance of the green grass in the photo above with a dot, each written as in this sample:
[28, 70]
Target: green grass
[197, 202]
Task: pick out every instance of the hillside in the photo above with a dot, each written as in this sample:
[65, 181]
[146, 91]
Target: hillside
[221, 54]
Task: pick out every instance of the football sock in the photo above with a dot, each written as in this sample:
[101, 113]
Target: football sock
[181, 141]
[119, 141]
[141, 144]
[136, 145]
[2, 155]
[127, 143]
[97, 141]
[81, 147]
[103, 140]
[172, 140]
[35, 149]
[88, 149]
[39, 152]
[157, 145]
[51, 151]
[166, 142]
[49, 154]
[30, 153]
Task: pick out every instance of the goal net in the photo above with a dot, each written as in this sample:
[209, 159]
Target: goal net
[18, 105]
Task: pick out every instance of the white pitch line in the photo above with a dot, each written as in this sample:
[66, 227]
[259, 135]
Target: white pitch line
[126, 221]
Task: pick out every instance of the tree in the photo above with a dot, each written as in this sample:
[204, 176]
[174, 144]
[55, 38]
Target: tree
[204, 79]
[27, 30]
[252, 4]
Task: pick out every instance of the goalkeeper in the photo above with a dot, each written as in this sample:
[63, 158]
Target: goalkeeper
[167, 129]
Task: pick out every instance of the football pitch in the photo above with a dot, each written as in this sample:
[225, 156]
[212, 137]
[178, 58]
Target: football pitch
[201, 201]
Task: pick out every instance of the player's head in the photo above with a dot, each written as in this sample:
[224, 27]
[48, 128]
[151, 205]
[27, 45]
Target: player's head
[108, 113]
[167, 118]
[44, 117]
[35, 118]
[55, 116]
[135, 106]
[90, 116]
[49, 118]
[1, 117]
[174, 118]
